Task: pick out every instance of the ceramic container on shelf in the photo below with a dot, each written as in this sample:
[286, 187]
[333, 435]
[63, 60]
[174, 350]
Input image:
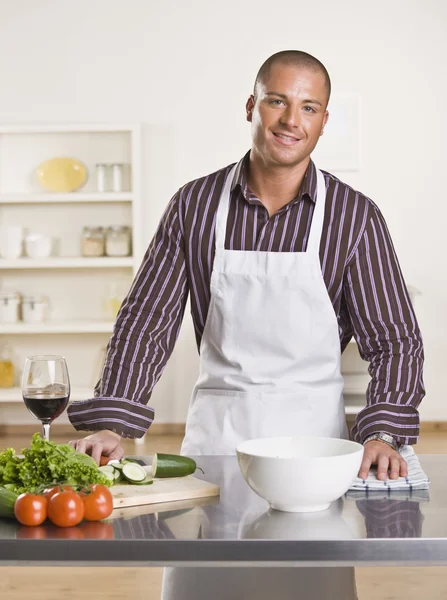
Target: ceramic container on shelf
[61, 174]
[10, 307]
[34, 309]
[11, 241]
[38, 245]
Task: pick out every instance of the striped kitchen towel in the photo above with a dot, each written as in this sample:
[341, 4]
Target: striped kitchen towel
[416, 480]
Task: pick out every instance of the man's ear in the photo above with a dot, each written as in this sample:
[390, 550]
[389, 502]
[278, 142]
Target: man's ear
[249, 108]
[325, 119]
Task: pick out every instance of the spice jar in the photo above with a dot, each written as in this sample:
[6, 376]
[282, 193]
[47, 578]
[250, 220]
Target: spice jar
[118, 241]
[9, 307]
[117, 177]
[7, 370]
[34, 309]
[92, 241]
[101, 177]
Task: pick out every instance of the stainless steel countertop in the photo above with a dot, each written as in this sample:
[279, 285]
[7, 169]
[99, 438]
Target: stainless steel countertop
[238, 529]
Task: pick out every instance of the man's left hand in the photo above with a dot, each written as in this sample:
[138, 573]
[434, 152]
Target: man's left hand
[386, 459]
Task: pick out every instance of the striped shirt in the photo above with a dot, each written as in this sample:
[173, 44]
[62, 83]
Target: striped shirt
[360, 269]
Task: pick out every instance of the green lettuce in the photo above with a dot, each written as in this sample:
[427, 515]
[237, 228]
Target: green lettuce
[46, 463]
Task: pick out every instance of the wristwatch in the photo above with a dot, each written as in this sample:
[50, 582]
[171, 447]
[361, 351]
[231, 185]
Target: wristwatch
[383, 437]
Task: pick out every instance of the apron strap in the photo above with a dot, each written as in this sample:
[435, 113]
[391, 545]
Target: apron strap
[222, 210]
[316, 228]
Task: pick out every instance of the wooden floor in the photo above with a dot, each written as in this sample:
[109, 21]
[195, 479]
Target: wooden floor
[99, 583]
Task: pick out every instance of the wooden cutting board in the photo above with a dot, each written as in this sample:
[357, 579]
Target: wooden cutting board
[162, 490]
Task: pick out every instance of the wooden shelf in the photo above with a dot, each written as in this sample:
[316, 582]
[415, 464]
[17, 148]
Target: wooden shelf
[15, 394]
[75, 262]
[80, 197]
[51, 327]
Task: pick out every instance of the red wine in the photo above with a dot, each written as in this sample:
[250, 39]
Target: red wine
[45, 407]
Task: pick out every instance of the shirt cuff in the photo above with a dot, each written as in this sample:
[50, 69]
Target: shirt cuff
[398, 420]
[126, 418]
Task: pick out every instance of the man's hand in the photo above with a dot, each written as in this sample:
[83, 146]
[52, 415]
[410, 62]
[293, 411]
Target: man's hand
[386, 458]
[106, 443]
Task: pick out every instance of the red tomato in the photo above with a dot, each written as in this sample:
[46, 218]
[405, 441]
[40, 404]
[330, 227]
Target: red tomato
[65, 509]
[98, 503]
[50, 491]
[104, 460]
[31, 509]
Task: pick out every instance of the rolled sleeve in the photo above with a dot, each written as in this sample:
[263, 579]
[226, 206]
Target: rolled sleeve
[126, 418]
[400, 421]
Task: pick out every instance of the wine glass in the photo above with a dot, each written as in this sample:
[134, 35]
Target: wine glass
[46, 388]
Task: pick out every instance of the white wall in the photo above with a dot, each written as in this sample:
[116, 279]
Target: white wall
[185, 69]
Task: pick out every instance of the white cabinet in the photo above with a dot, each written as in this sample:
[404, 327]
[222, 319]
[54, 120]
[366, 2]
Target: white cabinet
[80, 320]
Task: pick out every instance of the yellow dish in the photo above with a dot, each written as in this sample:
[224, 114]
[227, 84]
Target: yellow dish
[61, 174]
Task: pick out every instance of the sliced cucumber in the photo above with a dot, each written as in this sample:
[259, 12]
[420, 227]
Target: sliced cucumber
[117, 475]
[146, 481]
[108, 472]
[134, 473]
[172, 465]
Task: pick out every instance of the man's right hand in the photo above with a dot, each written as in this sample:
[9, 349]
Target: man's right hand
[101, 443]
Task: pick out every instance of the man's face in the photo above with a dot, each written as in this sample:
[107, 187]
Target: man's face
[288, 115]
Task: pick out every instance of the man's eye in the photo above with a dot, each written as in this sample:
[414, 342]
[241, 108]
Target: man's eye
[276, 102]
[309, 109]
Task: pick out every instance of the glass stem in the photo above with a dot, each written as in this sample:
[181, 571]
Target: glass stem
[46, 431]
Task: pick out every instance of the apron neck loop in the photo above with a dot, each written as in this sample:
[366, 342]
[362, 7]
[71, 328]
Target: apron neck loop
[313, 245]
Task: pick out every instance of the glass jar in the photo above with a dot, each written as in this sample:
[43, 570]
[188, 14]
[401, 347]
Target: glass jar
[101, 177]
[118, 241]
[92, 241]
[34, 309]
[7, 370]
[117, 177]
[9, 307]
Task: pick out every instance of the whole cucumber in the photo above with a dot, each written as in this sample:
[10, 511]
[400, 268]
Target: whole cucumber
[172, 465]
[7, 501]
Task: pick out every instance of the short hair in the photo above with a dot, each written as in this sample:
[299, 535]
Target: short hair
[296, 58]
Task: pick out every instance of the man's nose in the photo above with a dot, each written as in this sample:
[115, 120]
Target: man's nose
[291, 117]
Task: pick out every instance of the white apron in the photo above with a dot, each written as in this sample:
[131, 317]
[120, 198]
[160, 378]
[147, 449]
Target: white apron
[269, 366]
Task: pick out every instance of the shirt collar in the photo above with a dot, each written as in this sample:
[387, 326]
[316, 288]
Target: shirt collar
[308, 187]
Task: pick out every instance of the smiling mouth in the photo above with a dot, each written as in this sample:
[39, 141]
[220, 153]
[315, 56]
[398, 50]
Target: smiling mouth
[286, 140]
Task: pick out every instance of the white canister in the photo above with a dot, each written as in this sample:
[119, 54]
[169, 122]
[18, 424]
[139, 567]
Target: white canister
[34, 309]
[38, 245]
[101, 177]
[11, 239]
[117, 177]
[9, 307]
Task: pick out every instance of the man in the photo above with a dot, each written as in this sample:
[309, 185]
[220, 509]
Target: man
[284, 264]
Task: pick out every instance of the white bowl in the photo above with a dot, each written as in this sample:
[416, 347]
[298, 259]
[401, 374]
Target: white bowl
[299, 474]
[38, 245]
